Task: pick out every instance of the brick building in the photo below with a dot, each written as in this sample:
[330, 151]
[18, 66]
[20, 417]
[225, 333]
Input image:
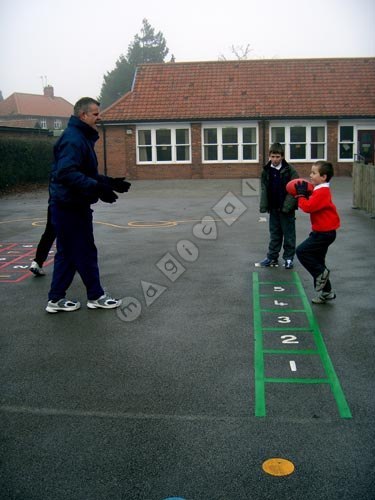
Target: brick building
[47, 111]
[217, 119]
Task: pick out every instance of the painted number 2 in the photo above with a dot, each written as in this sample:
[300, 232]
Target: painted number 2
[289, 339]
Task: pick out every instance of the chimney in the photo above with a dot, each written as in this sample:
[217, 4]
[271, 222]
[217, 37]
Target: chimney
[48, 91]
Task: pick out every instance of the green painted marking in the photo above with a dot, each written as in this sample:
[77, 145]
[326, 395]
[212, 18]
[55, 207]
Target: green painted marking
[281, 309]
[297, 380]
[338, 393]
[321, 350]
[278, 295]
[287, 329]
[260, 401]
[290, 351]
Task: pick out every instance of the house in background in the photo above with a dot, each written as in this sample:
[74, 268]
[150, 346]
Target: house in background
[217, 119]
[45, 111]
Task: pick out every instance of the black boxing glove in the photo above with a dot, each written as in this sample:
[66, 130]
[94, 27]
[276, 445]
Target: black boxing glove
[106, 193]
[119, 184]
[301, 189]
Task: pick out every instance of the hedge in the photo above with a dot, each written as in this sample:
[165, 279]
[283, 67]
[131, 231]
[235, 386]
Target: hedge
[24, 161]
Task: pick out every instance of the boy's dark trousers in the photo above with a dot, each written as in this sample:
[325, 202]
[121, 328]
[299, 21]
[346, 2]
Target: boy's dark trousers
[46, 241]
[76, 251]
[282, 227]
[312, 252]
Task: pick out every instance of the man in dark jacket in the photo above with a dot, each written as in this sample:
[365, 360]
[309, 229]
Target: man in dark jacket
[74, 185]
[281, 206]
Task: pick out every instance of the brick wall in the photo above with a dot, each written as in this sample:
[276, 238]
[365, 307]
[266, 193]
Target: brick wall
[26, 133]
[119, 156]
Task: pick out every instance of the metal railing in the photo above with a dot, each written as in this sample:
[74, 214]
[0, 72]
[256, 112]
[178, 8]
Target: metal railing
[364, 187]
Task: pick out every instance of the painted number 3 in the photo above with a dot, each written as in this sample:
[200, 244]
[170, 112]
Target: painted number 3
[283, 319]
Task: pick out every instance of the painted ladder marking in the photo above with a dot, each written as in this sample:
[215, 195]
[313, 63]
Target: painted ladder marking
[313, 329]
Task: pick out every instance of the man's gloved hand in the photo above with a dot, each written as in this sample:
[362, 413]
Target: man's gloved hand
[119, 184]
[301, 189]
[106, 193]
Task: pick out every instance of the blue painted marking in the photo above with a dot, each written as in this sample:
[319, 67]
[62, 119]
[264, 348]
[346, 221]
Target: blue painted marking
[174, 498]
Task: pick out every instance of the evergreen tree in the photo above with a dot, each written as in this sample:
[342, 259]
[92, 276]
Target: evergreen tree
[146, 47]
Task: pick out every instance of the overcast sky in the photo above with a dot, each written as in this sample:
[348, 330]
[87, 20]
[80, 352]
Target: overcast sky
[71, 44]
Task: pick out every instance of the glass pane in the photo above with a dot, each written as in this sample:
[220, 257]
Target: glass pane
[230, 152]
[249, 152]
[297, 151]
[317, 151]
[210, 153]
[346, 151]
[230, 135]
[278, 134]
[346, 134]
[183, 153]
[210, 136]
[249, 135]
[297, 134]
[163, 136]
[145, 154]
[163, 153]
[182, 136]
[317, 134]
[144, 137]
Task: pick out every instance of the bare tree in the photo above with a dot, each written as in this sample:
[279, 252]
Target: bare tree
[240, 52]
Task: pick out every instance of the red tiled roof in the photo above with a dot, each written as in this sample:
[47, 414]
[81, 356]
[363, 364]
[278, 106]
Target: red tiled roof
[249, 89]
[19, 104]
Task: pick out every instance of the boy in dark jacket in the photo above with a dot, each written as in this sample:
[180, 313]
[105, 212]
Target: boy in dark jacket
[75, 184]
[281, 206]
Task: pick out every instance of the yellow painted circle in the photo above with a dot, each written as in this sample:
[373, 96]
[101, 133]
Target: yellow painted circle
[278, 467]
[156, 223]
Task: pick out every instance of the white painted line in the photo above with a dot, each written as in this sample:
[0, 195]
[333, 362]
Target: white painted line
[293, 366]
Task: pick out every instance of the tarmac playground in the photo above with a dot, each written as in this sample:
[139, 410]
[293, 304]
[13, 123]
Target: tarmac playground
[215, 380]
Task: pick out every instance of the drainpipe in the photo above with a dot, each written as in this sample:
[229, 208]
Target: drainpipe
[104, 149]
[264, 141]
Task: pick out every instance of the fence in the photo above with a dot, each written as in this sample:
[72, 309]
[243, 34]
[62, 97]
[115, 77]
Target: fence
[364, 187]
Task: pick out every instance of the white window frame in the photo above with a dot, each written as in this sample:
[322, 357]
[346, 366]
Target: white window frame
[308, 125]
[357, 126]
[57, 124]
[240, 126]
[43, 123]
[163, 126]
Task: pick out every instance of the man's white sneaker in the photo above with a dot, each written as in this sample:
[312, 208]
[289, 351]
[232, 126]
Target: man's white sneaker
[104, 302]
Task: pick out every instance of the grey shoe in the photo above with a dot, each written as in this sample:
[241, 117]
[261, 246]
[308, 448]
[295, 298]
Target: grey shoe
[321, 280]
[104, 302]
[62, 305]
[36, 269]
[324, 297]
[288, 264]
[267, 263]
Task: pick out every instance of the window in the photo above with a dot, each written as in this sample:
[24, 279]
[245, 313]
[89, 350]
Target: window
[301, 142]
[159, 144]
[57, 124]
[229, 143]
[317, 144]
[346, 142]
[43, 123]
[297, 143]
